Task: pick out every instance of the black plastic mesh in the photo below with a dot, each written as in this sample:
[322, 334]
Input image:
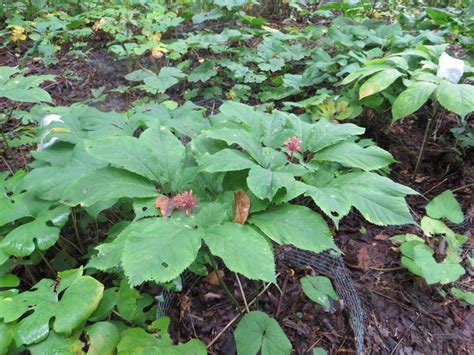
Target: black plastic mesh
[326, 264]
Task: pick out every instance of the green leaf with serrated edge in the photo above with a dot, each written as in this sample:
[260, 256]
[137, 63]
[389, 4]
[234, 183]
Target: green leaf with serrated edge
[58, 344]
[203, 72]
[127, 153]
[109, 254]
[164, 247]
[332, 201]
[168, 149]
[259, 333]
[243, 250]
[378, 82]
[355, 156]
[445, 206]
[319, 289]
[323, 134]
[103, 338]
[225, 160]
[463, 295]
[297, 225]
[457, 98]
[107, 183]
[265, 183]
[246, 140]
[411, 99]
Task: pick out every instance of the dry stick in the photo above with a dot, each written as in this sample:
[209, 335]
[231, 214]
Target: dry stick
[232, 321]
[434, 187]
[423, 146]
[280, 301]
[8, 165]
[47, 263]
[242, 292]
[462, 187]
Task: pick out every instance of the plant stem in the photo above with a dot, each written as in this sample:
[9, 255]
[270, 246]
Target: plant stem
[76, 230]
[221, 281]
[47, 263]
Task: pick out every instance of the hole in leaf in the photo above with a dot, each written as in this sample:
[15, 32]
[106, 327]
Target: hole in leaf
[144, 208]
[164, 264]
[334, 214]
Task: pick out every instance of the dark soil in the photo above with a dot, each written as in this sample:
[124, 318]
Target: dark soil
[403, 316]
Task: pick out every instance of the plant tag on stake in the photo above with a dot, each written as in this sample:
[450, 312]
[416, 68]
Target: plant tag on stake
[450, 68]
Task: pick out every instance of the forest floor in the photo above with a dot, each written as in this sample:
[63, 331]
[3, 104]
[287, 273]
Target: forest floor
[403, 315]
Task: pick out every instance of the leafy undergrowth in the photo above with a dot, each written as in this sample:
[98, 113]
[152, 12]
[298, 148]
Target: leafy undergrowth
[214, 145]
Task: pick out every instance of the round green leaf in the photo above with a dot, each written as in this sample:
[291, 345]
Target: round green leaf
[411, 99]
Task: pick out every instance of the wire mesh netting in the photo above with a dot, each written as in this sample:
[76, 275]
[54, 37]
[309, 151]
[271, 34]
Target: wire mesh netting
[330, 265]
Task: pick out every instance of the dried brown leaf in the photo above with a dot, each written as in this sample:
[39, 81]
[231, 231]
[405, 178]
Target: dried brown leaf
[242, 207]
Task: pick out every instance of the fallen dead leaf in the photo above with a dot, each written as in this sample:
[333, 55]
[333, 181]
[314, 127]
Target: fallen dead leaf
[242, 207]
[166, 205]
[212, 277]
[363, 258]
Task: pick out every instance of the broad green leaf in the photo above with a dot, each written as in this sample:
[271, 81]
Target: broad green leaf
[131, 305]
[364, 72]
[107, 183]
[203, 72]
[265, 183]
[43, 232]
[103, 338]
[126, 153]
[411, 99]
[355, 156]
[136, 341]
[243, 250]
[168, 149]
[323, 134]
[457, 98]
[166, 249]
[58, 344]
[461, 295]
[246, 140]
[258, 333]
[378, 82]
[6, 336]
[431, 227]
[9, 280]
[319, 289]
[106, 305]
[225, 160]
[445, 206]
[297, 225]
[78, 302]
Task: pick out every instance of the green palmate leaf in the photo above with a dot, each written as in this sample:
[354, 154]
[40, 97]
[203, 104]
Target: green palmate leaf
[81, 297]
[136, 341]
[103, 338]
[411, 99]
[457, 98]
[58, 344]
[203, 72]
[43, 233]
[258, 333]
[225, 160]
[297, 225]
[166, 249]
[319, 289]
[265, 183]
[243, 250]
[353, 155]
[106, 184]
[445, 206]
[378, 82]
